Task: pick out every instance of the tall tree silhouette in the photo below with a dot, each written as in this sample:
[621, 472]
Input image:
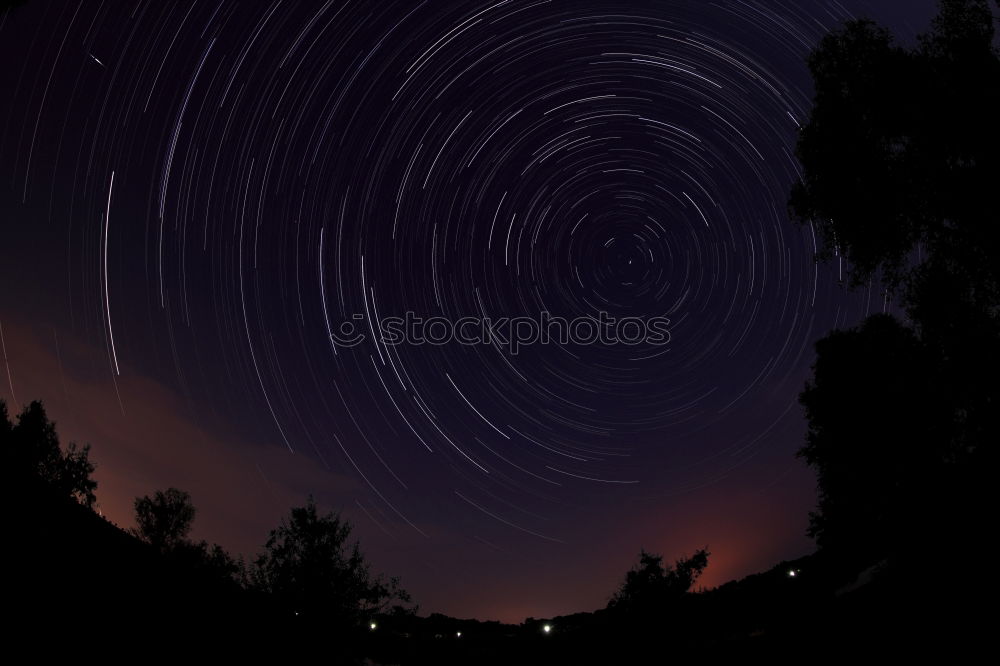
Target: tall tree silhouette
[902, 149]
[312, 570]
[901, 158]
[36, 461]
[878, 433]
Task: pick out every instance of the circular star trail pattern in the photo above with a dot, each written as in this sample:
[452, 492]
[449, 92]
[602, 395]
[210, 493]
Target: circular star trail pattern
[239, 180]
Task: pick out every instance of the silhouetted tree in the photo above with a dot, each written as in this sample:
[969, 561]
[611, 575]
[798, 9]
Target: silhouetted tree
[34, 457]
[901, 160]
[878, 434]
[164, 520]
[649, 587]
[902, 149]
[310, 569]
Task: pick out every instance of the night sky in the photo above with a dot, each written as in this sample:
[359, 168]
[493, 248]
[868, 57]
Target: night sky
[193, 196]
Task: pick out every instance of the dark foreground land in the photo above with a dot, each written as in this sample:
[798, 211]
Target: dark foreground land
[78, 584]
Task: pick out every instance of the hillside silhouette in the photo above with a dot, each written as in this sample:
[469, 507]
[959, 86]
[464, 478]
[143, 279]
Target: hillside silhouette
[310, 592]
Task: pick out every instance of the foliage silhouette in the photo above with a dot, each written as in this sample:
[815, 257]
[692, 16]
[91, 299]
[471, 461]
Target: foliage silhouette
[164, 520]
[33, 454]
[649, 588]
[72, 570]
[311, 570]
[901, 158]
[902, 148]
[878, 429]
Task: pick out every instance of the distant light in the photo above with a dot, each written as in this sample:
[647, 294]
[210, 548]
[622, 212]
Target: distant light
[458, 634]
[791, 573]
[547, 628]
[373, 626]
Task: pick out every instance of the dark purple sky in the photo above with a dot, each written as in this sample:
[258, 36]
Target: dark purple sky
[193, 195]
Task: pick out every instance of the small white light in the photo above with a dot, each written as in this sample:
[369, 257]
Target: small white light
[791, 573]
[458, 634]
[373, 626]
[547, 628]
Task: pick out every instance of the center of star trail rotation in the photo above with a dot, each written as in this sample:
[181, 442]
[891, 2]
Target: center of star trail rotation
[225, 188]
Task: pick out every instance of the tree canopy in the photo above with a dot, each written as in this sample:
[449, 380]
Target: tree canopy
[901, 153]
[901, 159]
[649, 587]
[311, 569]
[37, 461]
[164, 520]
[878, 433]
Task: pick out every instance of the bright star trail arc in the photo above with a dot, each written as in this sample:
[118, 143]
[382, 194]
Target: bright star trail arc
[222, 186]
